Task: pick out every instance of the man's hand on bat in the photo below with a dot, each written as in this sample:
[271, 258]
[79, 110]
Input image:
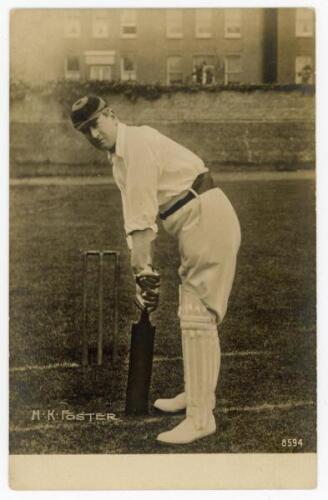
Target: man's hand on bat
[147, 290]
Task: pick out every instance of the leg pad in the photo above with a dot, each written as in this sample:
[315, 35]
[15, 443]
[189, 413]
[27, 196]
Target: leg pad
[201, 356]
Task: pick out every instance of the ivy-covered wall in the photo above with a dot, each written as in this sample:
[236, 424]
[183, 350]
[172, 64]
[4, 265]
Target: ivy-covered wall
[253, 126]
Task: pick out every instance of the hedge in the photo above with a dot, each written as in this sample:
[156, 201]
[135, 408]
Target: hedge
[68, 91]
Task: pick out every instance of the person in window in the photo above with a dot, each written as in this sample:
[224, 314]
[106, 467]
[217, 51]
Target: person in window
[197, 74]
[306, 74]
[209, 75]
[159, 177]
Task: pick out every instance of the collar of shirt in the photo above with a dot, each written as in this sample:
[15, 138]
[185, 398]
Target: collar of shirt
[120, 140]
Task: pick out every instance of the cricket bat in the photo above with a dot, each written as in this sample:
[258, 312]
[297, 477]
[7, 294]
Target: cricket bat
[140, 366]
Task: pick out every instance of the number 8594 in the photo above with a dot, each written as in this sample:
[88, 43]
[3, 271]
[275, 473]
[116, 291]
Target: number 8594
[292, 442]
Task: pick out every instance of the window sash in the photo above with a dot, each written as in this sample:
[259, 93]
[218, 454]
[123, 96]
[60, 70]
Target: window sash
[175, 77]
[232, 69]
[207, 63]
[129, 30]
[72, 26]
[126, 73]
[174, 27]
[72, 68]
[203, 23]
[100, 27]
[129, 16]
[129, 23]
[174, 69]
[174, 63]
[100, 73]
[232, 23]
[233, 64]
[72, 63]
[304, 23]
[300, 63]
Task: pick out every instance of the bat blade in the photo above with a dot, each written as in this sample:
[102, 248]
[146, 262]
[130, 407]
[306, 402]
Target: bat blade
[140, 366]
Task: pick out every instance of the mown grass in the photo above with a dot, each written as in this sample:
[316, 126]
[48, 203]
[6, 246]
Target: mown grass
[272, 309]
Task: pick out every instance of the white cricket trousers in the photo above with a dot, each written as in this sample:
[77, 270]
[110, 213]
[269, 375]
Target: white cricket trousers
[208, 232]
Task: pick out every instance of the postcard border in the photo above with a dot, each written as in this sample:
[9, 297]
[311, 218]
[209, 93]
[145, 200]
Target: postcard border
[167, 471]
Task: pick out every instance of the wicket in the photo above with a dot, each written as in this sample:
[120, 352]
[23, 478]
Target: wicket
[100, 255]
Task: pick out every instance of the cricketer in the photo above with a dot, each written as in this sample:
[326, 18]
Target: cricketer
[159, 177]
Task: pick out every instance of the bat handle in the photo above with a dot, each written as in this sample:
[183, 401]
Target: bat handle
[144, 317]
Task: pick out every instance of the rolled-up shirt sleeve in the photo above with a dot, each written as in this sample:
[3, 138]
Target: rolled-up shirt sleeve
[140, 197]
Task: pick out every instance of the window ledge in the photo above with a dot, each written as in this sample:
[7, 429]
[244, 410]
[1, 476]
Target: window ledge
[203, 35]
[303, 35]
[234, 37]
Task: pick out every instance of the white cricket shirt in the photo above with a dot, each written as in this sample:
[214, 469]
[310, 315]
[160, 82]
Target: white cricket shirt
[150, 169]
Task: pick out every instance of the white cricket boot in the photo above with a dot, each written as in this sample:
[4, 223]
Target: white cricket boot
[172, 405]
[201, 360]
[186, 432]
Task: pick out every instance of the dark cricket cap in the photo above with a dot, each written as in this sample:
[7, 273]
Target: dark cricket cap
[86, 109]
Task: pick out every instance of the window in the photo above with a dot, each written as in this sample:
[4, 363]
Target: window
[174, 23]
[204, 70]
[72, 68]
[232, 69]
[174, 69]
[129, 23]
[203, 26]
[128, 68]
[304, 22]
[232, 23]
[303, 70]
[100, 72]
[72, 26]
[100, 63]
[100, 26]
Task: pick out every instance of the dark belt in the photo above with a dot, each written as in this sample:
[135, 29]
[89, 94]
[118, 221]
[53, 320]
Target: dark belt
[201, 184]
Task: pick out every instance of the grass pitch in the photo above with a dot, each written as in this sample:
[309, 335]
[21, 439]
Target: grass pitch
[266, 391]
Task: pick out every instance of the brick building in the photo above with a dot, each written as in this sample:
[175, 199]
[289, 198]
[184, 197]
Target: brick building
[163, 45]
[296, 45]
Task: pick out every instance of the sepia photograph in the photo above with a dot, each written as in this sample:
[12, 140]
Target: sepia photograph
[163, 246]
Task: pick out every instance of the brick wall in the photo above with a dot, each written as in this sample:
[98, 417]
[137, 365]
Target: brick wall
[38, 45]
[290, 46]
[255, 128]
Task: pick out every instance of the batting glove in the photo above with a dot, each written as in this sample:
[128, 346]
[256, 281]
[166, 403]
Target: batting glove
[147, 290]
